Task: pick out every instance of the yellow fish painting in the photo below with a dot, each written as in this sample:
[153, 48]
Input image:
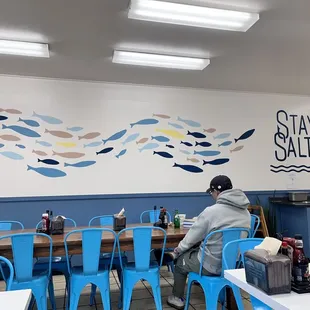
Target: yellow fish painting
[171, 133]
[66, 144]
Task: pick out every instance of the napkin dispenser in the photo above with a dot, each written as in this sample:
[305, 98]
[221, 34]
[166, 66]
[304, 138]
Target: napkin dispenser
[119, 222]
[270, 273]
[57, 225]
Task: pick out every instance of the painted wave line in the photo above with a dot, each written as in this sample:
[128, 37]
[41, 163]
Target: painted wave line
[291, 166]
[291, 170]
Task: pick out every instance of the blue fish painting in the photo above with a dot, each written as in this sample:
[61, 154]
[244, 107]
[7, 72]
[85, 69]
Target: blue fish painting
[226, 143]
[197, 135]
[106, 150]
[189, 168]
[147, 121]
[121, 153]
[186, 143]
[116, 136]
[48, 172]
[216, 162]
[3, 118]
[222, 136]
[149, 146]
[81, 164]
[185, 152]
[203, 144]
[20, 146]
[189, 122]
[245, 135]
[1, 145]
[177, 126]
[207, 153]
[23, 131]
[163, 154]
[131, 138]
[160, 138]
[44, 143]
[75, 129]
[48, 119]
[12, 155]
[29, 122]
[93, 144]
[170, 146]
[48, 161]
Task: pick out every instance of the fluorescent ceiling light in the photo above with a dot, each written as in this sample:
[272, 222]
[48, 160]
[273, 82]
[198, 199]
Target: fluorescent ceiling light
[162, 61]
[190, 15]
[24, 48]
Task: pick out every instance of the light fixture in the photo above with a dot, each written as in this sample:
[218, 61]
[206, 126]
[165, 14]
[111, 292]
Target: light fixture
[24, 48]
[190, 15]
[157, 60]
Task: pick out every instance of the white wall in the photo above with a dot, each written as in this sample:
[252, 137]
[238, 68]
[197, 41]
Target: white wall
[108, 108]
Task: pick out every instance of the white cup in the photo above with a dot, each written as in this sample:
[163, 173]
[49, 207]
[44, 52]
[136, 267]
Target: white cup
[182, 218]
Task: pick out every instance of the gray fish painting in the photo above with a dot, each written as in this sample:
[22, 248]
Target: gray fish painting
[222, 136]
[236, 149]
[163, 154]
[197, 135]
[48, 161]
[93, 144]
[189, 122]
[143, 140]
[29, 122]
[59, 133]
[207, 153]
[226, 143]
[131, 138]
[44, 143]
[105, 151]
[161, 116]
[3, 118]
[48, 172]
[22, 130]
[90, 135]
[40, 153]
[20, 146]
[189, 168]
[121, 153]
[75, 129]
[116, 136]
[175, 125]
[149, 146]
[9, 138]
[48, 119]
[245, 135]
[203, 144]
[147, 121]
[160, 138]
[209, 130]
[216, 162]
[12, 155]
[193, 160]
[11, 111]
[69, 154]
[185, 152]
[81, 164]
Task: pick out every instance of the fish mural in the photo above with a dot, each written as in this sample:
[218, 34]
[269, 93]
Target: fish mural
[226, 143]
[10, 111]
[39, 153]
[207, 153]
[245, 135]
[131, 138]
[161, 116]
[105, 151]
[1, 145]
[90, 135]
[189, 168]
[29, 122]
[48, 172]
[44, 143]
[75, 129]
[203, 144]
[59, 133]
[236, 149]
[93, 144]
[3, 118]
[142, 141]
[185, 152]
[116, 136]
[20, 146]
[175, 125]
[209, 130]
[186, 143]
[12, 155]
[193, 160]
[170, 146]
[197, 135]
[121, 153]
[147, 121]
[22, 131]
[9, 138]
[149, 146]
[189, 122]
[222, 136]
[163, 154]
[81, 164]
[66, 144]
[69, 154]
[48, 119]
[171, 133]
[48, 161]
[216, 162]
[160, 138]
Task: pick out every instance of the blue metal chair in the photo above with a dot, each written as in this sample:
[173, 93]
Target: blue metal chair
[91, 271]
[212, 285]
[255, 222]
[25, 276]
[9, 278]
[7, 225]
[232, 249]
[106, 220]
[142, 268]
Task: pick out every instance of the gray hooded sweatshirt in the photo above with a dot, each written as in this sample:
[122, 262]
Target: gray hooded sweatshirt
[230, 211]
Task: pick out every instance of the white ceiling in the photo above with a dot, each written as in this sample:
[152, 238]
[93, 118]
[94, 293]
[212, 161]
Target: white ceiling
[273, 56]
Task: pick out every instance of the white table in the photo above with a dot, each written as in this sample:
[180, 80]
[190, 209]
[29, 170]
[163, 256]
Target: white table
[15, 300]
[291, 301]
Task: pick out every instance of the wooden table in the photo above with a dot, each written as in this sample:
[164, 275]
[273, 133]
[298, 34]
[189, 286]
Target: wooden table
[17, 300]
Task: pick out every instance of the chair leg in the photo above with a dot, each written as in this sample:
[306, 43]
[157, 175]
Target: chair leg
[41, 297]
[238, 297]
[157, 297]
[188, 293]
[211, 298]
[127, 293]
[75, 292]
[92, 294]
[105, 294]
[51, 293]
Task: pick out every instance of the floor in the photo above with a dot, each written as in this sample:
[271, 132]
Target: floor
[142, 298]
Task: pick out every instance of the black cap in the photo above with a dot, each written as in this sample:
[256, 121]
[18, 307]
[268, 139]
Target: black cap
[220, 183]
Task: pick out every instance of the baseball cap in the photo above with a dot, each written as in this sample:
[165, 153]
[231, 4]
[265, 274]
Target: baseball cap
[220, 183]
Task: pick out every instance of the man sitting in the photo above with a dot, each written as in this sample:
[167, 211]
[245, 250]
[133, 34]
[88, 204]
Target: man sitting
[229, 211]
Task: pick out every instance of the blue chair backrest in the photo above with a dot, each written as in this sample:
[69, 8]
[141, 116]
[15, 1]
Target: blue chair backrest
[9, 279]
[7, 225]
[153, 216]
[22, 248]
[255, 222]
[104, 220]
[228, 235]
[142, 242]
[67, 220]
[91, 246]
